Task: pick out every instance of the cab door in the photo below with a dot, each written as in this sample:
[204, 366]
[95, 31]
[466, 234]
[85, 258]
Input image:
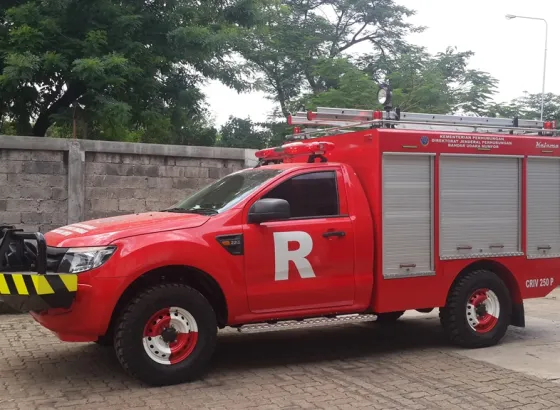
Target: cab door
[306, 261]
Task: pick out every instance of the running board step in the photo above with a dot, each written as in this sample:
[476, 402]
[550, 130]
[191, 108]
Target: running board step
[298, 324]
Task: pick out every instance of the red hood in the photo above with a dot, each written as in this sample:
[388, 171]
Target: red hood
[100, 232]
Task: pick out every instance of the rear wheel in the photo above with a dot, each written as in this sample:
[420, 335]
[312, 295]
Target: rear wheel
[478, 310]
[166, 335]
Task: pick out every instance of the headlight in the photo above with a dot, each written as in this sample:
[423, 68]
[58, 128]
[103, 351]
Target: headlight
[78, 260]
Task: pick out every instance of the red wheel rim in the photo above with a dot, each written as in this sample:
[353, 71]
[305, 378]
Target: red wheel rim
[483, 310]
[170, 336]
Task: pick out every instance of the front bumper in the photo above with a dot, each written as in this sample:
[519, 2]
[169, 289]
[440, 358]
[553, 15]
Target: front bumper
[74, 310]
[25, 284]
[31, 291]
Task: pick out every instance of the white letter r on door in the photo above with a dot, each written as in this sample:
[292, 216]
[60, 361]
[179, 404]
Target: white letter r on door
[283, 255]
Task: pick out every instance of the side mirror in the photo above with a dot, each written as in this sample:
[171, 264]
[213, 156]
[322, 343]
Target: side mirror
[269, 209]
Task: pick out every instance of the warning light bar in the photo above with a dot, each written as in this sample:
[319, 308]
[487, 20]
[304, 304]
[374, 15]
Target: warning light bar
[313, 149]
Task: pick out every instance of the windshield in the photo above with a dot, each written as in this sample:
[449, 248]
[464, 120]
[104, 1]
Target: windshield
[226, 192]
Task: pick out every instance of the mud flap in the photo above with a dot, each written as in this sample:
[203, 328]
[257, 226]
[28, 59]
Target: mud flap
[518, 315]
[31, 291]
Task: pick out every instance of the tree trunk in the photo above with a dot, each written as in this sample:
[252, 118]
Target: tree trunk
[44, 121]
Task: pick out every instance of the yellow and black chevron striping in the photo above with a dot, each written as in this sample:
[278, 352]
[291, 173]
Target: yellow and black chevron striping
[30, 284]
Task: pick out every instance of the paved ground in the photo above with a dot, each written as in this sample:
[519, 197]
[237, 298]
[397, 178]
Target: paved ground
[408, 366]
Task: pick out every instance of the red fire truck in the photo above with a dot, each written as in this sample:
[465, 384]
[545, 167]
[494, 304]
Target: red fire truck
[379, 213]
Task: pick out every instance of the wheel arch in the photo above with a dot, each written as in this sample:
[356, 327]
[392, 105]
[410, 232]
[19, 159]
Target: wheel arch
[188, 275]
[505, 274]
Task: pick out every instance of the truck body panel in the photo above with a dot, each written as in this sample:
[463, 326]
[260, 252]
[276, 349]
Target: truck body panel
[491, 196]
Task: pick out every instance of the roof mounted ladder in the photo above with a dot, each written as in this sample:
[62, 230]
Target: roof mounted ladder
[342, 119]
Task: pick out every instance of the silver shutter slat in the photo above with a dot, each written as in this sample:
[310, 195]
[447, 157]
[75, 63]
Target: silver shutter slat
[479, 206]
[407, 215]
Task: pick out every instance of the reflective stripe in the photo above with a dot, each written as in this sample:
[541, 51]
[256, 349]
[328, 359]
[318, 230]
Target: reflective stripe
[20, 284]
[42, 285]
[4, 290]
[70, 281]
[30, 283]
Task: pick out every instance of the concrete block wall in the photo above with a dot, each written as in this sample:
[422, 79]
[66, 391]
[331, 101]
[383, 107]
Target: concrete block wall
[47, 183]
[33, 188]
[117, 184]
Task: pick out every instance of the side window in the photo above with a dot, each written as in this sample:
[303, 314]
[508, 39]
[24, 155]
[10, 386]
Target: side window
[310, 195]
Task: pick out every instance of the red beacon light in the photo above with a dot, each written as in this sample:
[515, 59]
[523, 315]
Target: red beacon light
[550, 125]
[314, 150]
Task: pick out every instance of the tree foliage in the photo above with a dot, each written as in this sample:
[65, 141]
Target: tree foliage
[135, 67]
[304, 56]
[133, 70]
[441, 83]
[528, 106]
[290, 50]
[242, 133]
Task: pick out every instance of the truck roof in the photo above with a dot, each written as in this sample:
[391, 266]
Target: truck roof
[297, 165]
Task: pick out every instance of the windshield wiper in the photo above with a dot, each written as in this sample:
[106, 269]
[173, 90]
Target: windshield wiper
[192, 210]
[176, 210]
[211, 211]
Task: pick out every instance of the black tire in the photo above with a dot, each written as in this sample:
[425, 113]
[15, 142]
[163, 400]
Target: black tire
[453, 316]
[129, 333]
[388, 317]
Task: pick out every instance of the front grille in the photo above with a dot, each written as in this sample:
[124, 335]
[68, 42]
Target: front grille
[54, 257]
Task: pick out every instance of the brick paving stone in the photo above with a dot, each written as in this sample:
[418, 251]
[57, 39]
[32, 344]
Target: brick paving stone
[406, 366]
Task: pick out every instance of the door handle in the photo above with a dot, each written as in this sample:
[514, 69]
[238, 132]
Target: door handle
[329, 234]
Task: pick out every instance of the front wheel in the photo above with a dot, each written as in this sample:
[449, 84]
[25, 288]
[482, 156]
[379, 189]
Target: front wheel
[166, 335]
[478, 310]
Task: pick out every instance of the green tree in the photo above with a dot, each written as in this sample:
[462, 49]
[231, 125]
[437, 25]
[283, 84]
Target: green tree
[348, 86]
[528, 106]
[288, 52]
[243, 133]
[302, 59]
[440, 83]
[421, 83]
[135, 67]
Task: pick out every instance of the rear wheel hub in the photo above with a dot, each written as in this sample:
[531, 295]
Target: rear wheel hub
[483, 310]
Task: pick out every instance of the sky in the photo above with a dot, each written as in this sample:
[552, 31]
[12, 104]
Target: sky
[510, 50]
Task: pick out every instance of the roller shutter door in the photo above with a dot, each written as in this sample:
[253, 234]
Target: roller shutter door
[407, 215]
[543, 207]
[479, 206]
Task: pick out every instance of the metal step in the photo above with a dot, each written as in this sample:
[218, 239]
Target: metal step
[306, 323]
